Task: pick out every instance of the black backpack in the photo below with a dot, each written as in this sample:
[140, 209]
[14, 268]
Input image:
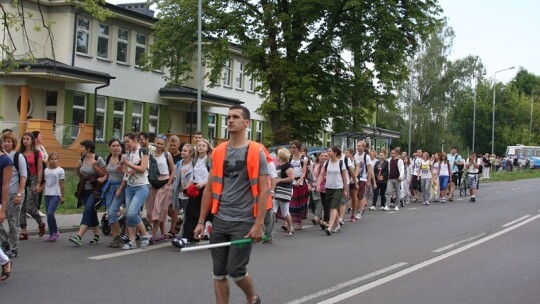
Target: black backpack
[16, 163]
[153, 170]
[340, 165]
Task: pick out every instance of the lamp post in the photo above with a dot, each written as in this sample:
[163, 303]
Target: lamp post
[199, 66]
[532, 104]
[493, 109]
[410, 109]
[474, 116]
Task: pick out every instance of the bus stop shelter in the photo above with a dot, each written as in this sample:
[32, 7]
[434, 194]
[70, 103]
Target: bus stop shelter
[377, 138]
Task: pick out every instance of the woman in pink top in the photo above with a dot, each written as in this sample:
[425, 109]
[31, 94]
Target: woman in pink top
[325, 218]
[34, 158]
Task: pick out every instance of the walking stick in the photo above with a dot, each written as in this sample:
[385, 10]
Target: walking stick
[240, 242]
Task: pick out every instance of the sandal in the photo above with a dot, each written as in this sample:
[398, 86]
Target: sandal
[6, 274]
[289, 233]
[285, 228]
[170, 235]
[23, 236]
[298, 227]
[41, 228]
[314, 221]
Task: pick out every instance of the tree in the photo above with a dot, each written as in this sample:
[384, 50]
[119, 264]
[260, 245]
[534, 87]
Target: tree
[438, 86]
[525, 82]
[296, 51]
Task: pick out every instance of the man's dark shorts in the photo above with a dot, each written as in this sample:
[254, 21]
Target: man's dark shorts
[415, 183]
[230, 261]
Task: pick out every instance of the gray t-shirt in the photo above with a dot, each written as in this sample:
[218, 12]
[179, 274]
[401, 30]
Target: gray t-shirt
[112, 170]
[87, 170]
[14, 182]
[237, 201]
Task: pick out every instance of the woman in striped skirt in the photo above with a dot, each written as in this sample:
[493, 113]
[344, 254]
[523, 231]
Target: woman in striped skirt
[298, 207]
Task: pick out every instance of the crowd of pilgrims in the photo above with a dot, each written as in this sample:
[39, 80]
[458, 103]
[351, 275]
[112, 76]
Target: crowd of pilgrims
[142, 185]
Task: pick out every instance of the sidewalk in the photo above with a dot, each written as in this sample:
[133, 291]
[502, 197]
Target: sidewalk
[65, 222]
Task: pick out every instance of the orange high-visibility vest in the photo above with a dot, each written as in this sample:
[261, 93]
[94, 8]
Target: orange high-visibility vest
[252, 163]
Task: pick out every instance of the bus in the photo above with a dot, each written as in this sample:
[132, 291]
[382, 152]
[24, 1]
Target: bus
[520, 151]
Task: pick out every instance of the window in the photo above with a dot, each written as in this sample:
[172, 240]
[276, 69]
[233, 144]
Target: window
[211, 126]
[224, 133]
[259, 131]
[239, 81]
[101, 103]
[251, 84]
[248, 131]
[51, 100]
[83, 34]
[118, 118]
[79, 112]
[137, 117]
[140, 48]
[103, 41]
[328, 139]
[227, 73]
[122, 46]
[154, 120]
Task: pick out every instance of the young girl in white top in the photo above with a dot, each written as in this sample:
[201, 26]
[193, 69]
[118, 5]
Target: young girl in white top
[425, 176]
[54, 194]
[435, 167]
[444, 176]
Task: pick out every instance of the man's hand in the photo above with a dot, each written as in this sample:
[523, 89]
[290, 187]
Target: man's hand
[2, 215]
[17, 200]
[61, 200]
[255, 233]
[197, 233]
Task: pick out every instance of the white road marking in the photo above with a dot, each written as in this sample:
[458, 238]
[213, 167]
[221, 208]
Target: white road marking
[347, 284]
[445, 248]
[498, 191]
[515, 221]
[128, 252]
[411, 209]
[391, 212]
[424, 264]
[513, 189]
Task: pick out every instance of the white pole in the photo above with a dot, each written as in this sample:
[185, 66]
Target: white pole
[493, 109]
[474, 117]
[410, 109]
[199, 66]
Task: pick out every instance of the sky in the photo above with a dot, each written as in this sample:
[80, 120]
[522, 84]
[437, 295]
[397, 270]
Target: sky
[503, 33]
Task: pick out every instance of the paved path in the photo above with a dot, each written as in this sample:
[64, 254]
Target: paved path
[444, 253]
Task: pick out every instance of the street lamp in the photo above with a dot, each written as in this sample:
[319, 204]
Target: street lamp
[532, 103]
[493, 109]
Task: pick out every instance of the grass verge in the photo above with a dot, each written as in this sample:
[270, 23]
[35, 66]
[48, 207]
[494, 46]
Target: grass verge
[505, 176]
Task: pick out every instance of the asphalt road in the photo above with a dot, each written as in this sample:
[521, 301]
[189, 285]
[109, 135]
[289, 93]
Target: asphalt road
[444, 253]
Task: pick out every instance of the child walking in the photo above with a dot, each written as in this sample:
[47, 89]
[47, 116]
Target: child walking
[54, 194]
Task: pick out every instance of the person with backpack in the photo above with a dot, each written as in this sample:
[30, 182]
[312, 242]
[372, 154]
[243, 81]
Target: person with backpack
[113, 189]
[380, 171]
[456, 164]
[135, 165]
[195, 189]
[238, 196]
[6, 172]
[334, 173]
[415, 186]
[34, 159]
[298, 206]
[17, 184]
[322, 215]
[472, 169]
[364, 172]
[395, 176]
[89, 168]
[161, 176]
[350, 163]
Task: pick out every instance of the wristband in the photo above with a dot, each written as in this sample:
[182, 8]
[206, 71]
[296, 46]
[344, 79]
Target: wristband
[200, 223]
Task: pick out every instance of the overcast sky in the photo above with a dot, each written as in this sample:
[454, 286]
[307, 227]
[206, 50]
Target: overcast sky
[503, 33]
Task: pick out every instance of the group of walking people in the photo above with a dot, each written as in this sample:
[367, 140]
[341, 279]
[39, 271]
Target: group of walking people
[337, 184]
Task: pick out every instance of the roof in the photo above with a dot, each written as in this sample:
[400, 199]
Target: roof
[372, 132]
[118, 9]
[48, 68]
[191, 93]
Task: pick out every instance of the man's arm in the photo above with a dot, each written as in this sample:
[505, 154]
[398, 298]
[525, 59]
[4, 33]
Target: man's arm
[256, 231]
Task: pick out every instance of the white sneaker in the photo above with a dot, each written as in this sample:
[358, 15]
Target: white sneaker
[358, 216]
[385, 208]
[372, 208]
[396, 208]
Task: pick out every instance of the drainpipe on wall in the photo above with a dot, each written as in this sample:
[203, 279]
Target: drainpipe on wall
[73, 50]
[191, 121]
[95, 107]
